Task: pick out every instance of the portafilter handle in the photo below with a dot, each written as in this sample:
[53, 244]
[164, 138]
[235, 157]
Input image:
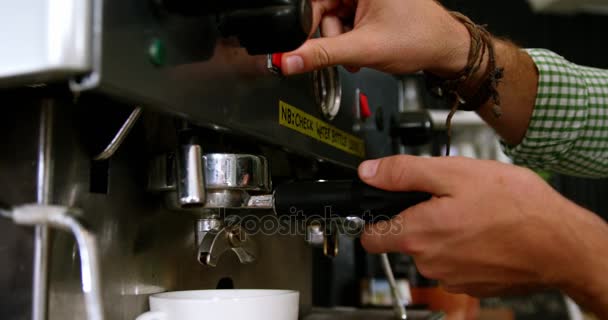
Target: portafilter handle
[341, 199]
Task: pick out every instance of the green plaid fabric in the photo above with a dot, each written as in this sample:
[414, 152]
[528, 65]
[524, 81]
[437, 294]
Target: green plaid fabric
[568, 132]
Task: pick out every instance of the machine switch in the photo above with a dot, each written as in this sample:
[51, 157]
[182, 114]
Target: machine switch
[275, 63]
[364, 108]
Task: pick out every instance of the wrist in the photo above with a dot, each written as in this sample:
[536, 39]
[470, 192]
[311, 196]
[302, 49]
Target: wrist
[583, 276]
[474, 85]
[590, 290]
[454, 54]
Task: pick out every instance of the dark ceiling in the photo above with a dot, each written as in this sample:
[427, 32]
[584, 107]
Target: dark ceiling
[581, 38]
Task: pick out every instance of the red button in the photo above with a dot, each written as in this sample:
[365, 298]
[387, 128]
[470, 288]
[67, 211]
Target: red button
[366, 112]
[277, 60]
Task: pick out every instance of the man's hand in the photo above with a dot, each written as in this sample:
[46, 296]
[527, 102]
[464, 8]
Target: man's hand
[490, 229]
[394, 36]
[401, 37]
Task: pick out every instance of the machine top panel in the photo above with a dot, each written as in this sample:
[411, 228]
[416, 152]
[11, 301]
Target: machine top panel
[44, 40]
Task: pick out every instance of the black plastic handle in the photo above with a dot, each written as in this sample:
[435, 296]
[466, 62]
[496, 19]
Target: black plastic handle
[269, 26]
[342, 199]
[261, 26]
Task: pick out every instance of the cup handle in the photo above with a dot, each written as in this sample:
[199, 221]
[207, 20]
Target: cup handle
[152, 315]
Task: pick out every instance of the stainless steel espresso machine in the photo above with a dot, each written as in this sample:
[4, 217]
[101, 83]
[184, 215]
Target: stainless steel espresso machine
[135, 133]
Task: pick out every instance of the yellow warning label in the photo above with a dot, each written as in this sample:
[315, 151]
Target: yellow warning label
[302, 122]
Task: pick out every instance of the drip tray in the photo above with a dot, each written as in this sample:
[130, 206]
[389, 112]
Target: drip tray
[371, 314]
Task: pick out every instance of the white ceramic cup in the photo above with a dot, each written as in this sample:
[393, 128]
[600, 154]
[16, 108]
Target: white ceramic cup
[224, 305]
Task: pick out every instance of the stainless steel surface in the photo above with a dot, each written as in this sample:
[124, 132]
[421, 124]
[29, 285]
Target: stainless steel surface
[328, 91]
[92, 77]
[206, 225]
[315, 236]
[59, 217]
[398, 306]
[44, 166]
[190, 176]
[40, 273]
[120, 136]
[353, 226]
[44, 40]
[215, 243]
[265, 201]
[211, 82]
[43, 195]
[363, 314]
[239, 93]
[410, 97]
[218, 199]
[237, 172]
[144, 248]
[228, 179]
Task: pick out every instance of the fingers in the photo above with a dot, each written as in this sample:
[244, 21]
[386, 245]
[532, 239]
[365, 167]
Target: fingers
[385, 236]
[319, 53]
[438, 176]
[340, 8]
[401, 234]
[331, 26]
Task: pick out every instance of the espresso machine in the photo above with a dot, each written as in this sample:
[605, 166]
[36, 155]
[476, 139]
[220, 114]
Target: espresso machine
[135, 133]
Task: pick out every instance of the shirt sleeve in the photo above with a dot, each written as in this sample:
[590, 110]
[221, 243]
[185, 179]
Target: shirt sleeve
[568, 132]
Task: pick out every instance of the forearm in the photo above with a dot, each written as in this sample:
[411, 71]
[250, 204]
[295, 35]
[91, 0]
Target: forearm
[554, 112]
[584, 272]
[583, 267]
[592, 299]
[517, 92]
[568, 131]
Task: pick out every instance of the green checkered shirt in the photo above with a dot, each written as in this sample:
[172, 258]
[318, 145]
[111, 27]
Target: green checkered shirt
[568, 132]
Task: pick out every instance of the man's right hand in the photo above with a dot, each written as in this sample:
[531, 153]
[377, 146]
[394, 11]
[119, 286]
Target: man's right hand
[407, 36]
[394, 36]
[490, 229]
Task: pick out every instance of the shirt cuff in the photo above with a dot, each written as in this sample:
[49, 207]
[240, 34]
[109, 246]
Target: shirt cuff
[559, 114]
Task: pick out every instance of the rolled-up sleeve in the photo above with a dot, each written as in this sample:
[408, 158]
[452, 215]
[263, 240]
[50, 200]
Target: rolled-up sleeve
[568, 132]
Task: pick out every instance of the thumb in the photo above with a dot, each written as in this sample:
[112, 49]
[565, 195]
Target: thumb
[438, 176]
[319, 53]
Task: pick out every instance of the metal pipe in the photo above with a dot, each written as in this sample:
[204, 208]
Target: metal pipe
[59, 217]
[120, 136]
[43, 196]
[191, 178]
[400, 311]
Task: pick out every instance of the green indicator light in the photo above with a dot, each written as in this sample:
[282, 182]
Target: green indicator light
[157, 52]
